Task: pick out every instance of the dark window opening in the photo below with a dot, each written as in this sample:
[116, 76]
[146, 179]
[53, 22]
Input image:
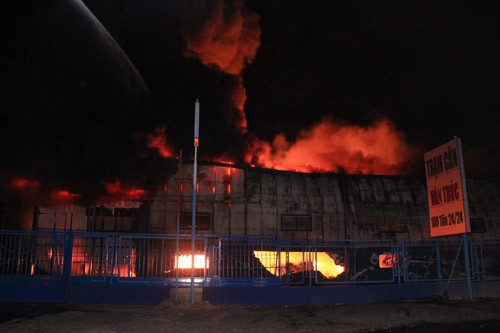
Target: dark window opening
[296, 223]
[202, 221]
[105, 211]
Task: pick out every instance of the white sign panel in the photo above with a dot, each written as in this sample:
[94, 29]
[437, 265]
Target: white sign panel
[446, 191]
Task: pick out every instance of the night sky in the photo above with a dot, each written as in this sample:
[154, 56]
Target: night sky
[98, 95]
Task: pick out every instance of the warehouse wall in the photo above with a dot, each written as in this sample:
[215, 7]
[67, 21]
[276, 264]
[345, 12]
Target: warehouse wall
[300, 206]
[235, 200]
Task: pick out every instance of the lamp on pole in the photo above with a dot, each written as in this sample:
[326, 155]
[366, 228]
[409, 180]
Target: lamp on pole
[193, 212]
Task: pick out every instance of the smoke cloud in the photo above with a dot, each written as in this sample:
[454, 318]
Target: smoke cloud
[227, 38]
[100, 100]
[71, 106]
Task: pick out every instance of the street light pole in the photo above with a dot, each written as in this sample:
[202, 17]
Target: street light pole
[177, 229]
[193, 212]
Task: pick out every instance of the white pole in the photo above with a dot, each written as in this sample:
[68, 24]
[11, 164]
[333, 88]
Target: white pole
[193, 212]
[177, 230]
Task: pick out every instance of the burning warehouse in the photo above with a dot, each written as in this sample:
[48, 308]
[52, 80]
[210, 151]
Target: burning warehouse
[239, 200]
[96, 106]
[101, 131]
[265, 224]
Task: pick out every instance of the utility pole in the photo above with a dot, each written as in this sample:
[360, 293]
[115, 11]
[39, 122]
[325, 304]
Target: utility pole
[177, 229]
[193, 213]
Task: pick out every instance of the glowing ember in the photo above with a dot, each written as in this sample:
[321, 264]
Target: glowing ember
[330, 147]
[299, 261]
[63, 197]
[64, 194]
[386, 260]
[116, 189]
[200, 261]
[25, 184]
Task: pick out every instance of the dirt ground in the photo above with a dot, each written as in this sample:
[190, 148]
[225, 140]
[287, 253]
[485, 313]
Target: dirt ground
[203, 317]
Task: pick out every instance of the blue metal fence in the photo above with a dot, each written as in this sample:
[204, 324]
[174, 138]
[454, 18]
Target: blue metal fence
[240, 260]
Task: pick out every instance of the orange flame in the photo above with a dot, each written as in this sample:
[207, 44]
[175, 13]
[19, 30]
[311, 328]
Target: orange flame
[299, 261]
[158, 141]
[116, 189]
[33, 190]
[227, 40]
[330, 147]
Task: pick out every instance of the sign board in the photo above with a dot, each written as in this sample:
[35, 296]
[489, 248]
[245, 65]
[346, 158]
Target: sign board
[446, 190]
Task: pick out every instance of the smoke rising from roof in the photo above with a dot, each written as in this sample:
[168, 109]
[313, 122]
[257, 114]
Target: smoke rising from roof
[100, 95]
[70, 105]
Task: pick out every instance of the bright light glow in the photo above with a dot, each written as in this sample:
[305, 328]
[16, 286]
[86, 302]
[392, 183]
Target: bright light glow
[124, 271]
[387, 260]
[299, 261]
[200, 261]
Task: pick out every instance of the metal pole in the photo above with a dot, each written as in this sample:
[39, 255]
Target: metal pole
[177, 230]
[193, 212]
[467, 268]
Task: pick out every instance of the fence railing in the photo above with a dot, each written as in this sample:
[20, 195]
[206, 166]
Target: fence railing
[240, 260]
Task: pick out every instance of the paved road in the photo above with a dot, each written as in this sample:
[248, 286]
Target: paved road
[480, 315]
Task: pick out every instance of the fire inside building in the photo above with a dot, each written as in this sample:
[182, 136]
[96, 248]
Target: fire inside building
[261, 227]
[237, 200]
[253, 227]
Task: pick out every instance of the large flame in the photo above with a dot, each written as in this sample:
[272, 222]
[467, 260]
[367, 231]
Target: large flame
[225, 36]
[332, 147]
[227, 39]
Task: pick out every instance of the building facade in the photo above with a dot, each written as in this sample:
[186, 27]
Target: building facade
[236, 200]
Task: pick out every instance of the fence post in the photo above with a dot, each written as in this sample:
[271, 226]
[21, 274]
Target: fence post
[68, 255]
[467, 266]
